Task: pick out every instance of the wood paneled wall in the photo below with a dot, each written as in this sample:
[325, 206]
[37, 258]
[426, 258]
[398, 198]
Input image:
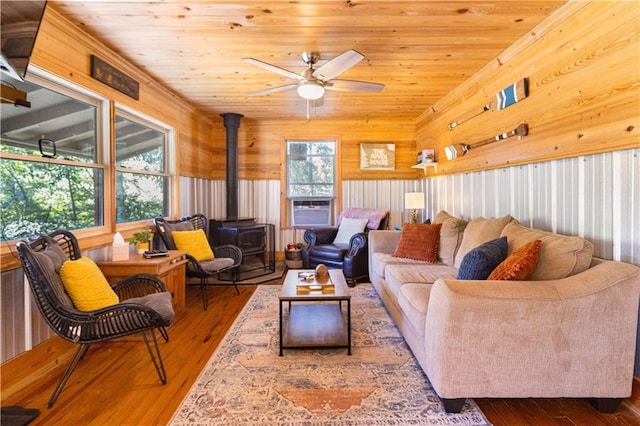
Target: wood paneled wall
[584, 80]
[262, 145]
[64, 50]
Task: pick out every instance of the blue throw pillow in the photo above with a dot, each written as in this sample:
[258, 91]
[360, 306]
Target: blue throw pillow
[482, 260]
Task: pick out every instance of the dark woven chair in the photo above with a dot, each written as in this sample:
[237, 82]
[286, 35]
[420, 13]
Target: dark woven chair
[227, 257]
[144, 306]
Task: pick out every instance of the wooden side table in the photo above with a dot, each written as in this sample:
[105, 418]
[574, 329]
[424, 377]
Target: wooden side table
[170, 269]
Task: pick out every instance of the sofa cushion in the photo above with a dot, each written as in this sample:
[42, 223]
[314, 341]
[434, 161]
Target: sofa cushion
[413, 299]
[381, 260]
[479, 231]
[450, 236]
[419, 241]
[520, 264]
[348, 227]
[560, 256]
[398, 275]
[482, 260]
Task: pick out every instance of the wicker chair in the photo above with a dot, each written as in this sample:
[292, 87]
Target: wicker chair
[227, 257]
[150, 310]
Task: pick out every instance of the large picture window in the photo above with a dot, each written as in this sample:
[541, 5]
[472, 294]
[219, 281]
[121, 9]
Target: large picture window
[51, 167]
[311, 169]
[142, 172]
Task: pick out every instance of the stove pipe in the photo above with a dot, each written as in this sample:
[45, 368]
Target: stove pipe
[232, 124]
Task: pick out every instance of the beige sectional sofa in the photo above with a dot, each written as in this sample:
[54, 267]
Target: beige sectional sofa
[568, 331]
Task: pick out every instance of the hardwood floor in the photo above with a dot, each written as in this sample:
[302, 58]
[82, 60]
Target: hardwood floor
[116, 383]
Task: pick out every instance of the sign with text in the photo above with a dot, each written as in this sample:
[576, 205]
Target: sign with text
[377, 156]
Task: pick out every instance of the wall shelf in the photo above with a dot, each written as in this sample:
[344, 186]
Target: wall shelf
[425, 166]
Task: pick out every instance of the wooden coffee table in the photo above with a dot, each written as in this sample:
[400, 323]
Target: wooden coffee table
[313, 321]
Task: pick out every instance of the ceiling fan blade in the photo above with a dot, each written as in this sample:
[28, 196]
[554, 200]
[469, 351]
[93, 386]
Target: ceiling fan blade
[272, 90]
[280, 71]
[353, 86]
[338, 65]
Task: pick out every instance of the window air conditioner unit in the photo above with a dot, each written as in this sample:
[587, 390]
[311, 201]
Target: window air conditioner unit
[311, 212]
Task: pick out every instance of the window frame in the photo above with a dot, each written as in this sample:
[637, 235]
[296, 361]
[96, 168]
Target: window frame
[169, 161]
[52, 82]
[334, 166]
[99, 236]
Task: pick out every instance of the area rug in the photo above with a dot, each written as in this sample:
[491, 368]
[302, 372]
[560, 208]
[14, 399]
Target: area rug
[246, 383]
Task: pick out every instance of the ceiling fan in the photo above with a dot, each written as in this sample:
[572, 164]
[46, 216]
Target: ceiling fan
[312, 83]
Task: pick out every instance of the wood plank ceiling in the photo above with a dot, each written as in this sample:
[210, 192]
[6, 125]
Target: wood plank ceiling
[420, 50]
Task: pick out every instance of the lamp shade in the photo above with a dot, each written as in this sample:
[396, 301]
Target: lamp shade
[414, 200]
[310, 90]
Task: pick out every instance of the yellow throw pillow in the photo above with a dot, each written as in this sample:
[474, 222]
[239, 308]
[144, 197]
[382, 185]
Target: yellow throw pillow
[86, 285]
[193, 242]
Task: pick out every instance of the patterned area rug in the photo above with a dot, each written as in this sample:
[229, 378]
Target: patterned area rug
[246, 383]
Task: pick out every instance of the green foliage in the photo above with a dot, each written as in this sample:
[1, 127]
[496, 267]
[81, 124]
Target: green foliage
[39, 198]
[141, 237]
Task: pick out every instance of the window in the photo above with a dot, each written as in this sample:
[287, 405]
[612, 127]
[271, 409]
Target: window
[55, 170]
[311, 170]
[51, 167]
[142, 172]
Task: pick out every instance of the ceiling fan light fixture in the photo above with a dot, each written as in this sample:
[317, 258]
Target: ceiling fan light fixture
[310, 90]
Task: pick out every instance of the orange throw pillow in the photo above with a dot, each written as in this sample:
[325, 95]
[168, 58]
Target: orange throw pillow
[519, 265]
[419, 241]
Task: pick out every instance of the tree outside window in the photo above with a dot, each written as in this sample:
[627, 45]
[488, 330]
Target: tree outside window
[311, 169]
[51, 174]
[142, 178]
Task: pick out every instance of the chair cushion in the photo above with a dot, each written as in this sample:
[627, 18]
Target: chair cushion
[520, 264]
[195, 243]
[215, 265]
[419, 241]
[50, 261]
[159, 302]
[170, 228]
[347, 228]
[482, 260]
[329, 252]
[86, 285]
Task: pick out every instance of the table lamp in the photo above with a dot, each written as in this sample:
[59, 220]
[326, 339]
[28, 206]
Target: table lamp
[415, 201]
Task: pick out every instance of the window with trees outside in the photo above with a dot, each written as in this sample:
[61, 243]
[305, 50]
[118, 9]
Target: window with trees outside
[54, 162]
[311, 169]
[51, 167]
[142, 172]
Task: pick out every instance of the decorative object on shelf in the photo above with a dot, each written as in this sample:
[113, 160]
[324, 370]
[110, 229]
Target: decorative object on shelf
[141, 239]
[426, 156]
[453, 151]
[414, 201]
[322, 273]
[377, 156]
[504, 98]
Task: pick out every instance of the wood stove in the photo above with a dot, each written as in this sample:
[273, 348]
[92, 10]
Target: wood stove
[255, 240]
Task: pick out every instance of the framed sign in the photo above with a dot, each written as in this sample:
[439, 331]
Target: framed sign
[377, 156]
[113, 77]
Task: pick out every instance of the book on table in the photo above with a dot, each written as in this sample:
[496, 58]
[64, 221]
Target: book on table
[307, 283]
